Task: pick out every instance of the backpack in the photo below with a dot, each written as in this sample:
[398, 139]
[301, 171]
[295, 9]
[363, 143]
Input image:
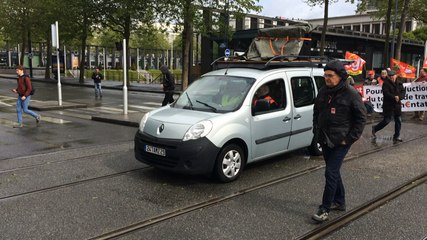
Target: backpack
[32, 87]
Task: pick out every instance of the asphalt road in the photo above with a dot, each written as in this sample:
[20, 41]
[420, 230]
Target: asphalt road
[73, 178]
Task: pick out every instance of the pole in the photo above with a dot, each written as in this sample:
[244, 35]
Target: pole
[171, 66]
[30, 54]
[105, 62]
[394, 29]
[65, 61]
[19, 55]
[137, 62]
[425, 51]
[125, 88]
[58, 66]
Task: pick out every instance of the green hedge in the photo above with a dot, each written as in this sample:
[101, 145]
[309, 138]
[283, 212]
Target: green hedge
[117, 75]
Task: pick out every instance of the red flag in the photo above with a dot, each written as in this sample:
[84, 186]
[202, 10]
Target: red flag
[425, 63]
[402, 69]
[356, 67]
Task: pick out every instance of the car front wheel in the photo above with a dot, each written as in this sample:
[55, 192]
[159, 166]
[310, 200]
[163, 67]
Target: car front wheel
[229, 163]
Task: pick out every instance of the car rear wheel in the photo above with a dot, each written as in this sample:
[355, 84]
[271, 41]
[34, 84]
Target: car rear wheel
[229, 163]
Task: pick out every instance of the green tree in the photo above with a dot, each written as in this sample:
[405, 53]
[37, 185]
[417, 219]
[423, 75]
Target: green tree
[406, 9]
[417, 34]
[418, 10]
[81, 18]
[326, 4]
[149, 40]
[402, 26]
[186, 13]
[125, 16]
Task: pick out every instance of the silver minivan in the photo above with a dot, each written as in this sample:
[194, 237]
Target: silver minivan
[231, 117]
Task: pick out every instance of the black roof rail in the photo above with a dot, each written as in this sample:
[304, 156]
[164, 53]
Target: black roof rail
[274, 62]
[224, 57]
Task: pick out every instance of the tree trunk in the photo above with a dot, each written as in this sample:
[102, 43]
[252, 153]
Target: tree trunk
[49, 56]
[187, 38]
[24, 45]
[82, 60]
[402, 28]
[325, 26]
[386, 62]
[83, 51]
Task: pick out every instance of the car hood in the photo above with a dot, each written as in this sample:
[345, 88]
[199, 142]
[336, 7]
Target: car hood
[173, 123]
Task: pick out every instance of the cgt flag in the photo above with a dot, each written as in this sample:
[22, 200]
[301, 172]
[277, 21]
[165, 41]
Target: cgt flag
[402, 69]
[356, 67]
[425, 63]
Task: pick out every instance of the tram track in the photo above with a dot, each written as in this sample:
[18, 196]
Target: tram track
[71, 184]
[212, 202]
[64, 152]
[343, 220]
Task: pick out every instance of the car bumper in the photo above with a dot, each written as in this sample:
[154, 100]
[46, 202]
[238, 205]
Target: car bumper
[189, 157]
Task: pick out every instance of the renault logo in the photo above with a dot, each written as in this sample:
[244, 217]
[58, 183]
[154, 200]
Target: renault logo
[161, 128]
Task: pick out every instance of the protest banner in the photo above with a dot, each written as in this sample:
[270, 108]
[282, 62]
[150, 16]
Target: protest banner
[415, 98]
[356, 67]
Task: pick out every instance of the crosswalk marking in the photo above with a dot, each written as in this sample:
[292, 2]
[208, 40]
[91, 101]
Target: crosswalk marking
[8, 122]
[5, 104]
[7, 101]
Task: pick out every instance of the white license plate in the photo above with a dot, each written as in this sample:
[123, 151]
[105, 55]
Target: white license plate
[155, 150]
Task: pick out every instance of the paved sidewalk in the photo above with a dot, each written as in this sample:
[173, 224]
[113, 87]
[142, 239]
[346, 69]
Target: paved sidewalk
[131, 119]
[107, 84]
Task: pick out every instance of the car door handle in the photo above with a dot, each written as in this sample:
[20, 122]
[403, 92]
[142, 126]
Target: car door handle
[297, 117]
[286, 119]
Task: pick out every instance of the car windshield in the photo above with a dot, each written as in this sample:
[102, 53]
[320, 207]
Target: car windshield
[215, 94]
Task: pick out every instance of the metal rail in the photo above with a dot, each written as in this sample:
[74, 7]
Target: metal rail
[204, 204]
[337, 223]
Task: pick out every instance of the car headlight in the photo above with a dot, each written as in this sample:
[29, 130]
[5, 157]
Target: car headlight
[198, 130]
[143, 121]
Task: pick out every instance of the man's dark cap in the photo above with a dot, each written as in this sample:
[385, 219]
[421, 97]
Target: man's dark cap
[338, 68]
[391, 72]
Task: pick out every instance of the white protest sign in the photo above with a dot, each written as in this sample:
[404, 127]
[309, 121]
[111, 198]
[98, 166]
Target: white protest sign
[415, 98]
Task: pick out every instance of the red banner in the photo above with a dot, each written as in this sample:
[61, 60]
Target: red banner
[356, 67]
[402, 69]
[425, 63]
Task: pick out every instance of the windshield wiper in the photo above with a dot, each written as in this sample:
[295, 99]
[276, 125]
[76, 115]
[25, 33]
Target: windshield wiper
[207, 105]
[189, 100]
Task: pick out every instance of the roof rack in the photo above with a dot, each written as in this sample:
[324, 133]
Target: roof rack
[274, 62]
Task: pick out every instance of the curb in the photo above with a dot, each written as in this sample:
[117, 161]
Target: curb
[115, 121]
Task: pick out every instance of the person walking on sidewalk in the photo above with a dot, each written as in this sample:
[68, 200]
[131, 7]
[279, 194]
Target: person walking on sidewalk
[423, 78]
[24, 90]
[393, 92]
[97, 78]
[168, 85]
[338, 121]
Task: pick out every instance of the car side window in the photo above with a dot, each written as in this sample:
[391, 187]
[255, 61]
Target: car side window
[320, 81]
[302, 91]
[269, 97]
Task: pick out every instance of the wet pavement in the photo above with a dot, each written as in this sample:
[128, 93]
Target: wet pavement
[93, 185]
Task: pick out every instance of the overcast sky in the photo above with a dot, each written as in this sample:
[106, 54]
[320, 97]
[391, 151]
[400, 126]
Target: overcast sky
[298, 9]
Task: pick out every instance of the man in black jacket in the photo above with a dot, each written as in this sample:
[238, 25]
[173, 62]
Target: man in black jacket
[393, 92]
[168, 85]
[338, 121]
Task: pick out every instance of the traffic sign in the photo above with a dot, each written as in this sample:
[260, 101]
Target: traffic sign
[227, 52]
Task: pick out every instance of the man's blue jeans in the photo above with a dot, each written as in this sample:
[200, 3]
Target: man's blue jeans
[334, 187]
[386, 121]
[23, 106]
[98, 90]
